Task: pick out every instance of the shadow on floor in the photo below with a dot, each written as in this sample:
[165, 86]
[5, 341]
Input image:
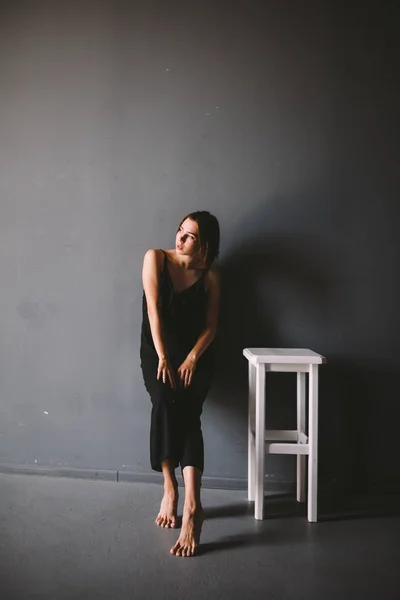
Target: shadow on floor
[260, 535]
[284, 506]
[368, 506]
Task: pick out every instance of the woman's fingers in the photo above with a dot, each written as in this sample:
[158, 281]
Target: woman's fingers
[166, 375]
[185, 376]
[161, 375]
[171, 379]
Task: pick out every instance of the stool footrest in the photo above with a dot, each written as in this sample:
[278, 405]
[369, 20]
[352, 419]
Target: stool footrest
[281, 435]
[277, 448]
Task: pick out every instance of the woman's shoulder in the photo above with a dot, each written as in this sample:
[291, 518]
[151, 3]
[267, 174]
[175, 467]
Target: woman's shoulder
[159, 253]
[212, 272]
[154, 259]
[154, 254]
[212, 277]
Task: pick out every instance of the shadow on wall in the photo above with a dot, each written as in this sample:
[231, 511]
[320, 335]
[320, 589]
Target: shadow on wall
[273, 272]
[280, 289]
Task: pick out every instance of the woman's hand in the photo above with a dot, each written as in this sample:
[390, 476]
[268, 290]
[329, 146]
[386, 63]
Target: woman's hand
[186, 370]
[165, 372]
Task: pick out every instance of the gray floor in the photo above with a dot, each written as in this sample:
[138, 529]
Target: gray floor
[70, 539]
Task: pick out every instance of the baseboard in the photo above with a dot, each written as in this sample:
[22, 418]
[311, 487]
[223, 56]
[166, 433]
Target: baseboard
[213, 483]
[101, 474]
[210, 483]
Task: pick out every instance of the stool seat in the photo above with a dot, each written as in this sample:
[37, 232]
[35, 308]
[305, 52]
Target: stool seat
[262, 441]
[283, 355]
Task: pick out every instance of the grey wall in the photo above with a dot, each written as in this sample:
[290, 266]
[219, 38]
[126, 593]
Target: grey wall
[119, 117]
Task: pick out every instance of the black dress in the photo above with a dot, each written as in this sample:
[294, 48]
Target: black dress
[175, 430]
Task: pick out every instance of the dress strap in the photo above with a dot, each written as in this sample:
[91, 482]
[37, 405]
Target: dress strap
[165, 259]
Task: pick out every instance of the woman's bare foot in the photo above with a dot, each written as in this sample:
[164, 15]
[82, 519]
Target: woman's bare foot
[189, 538]
[168, 509]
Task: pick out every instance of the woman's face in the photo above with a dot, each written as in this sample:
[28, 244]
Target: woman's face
[187, 238]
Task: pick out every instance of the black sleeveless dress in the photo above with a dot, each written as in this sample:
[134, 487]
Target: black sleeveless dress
[175, 430]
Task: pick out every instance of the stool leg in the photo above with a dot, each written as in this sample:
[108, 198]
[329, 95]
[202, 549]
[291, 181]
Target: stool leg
[301, 427]
[313, 444]
[260, 442]
[251, 434]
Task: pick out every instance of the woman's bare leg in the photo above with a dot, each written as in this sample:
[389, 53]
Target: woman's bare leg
[169, 504]
[193, 515]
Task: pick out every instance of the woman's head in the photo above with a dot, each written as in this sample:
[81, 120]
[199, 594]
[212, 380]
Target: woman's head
[198, 235]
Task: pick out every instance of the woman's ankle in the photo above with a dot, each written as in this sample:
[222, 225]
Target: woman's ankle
[170, 480]
[170, 486]
[192, 505]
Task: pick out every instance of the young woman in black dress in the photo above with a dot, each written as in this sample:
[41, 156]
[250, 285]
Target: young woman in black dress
[180, 315]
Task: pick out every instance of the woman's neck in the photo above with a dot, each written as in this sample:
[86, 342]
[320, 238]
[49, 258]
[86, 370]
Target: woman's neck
[184, 262]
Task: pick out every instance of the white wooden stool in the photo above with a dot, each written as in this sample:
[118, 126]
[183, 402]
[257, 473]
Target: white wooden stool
[262, 441]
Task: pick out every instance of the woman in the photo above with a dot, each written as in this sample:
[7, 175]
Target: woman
[180, 314]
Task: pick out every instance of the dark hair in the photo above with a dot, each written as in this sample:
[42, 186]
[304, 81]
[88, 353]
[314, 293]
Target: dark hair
[208, 235]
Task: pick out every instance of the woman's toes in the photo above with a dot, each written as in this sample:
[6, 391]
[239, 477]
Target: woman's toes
[174, 549]
[167, 515]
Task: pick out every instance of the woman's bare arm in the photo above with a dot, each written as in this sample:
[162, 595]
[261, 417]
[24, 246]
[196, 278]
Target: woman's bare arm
[152, 265]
